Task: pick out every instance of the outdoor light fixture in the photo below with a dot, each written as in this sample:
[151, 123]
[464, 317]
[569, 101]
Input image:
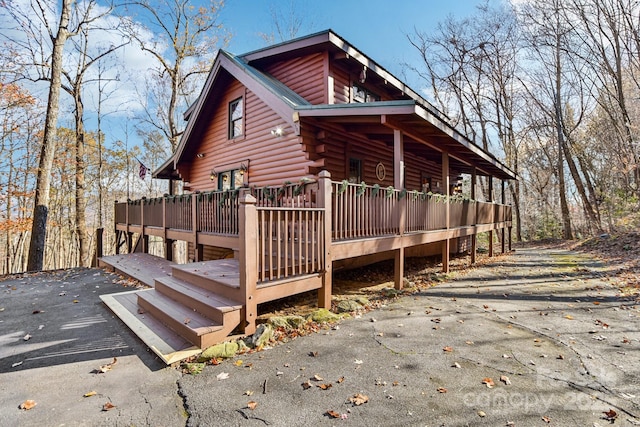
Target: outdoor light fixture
[279, 131]
[243, 168]
[200, 155]
[213, 175]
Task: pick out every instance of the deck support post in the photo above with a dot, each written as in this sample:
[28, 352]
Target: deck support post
[143, 237]
[248, 217]
[168, 249]
[198, 249]
[474, 236]
[324, 201]
[98, 253]
[493, 216]
[503, 218]
[446, 244]
[401, 207]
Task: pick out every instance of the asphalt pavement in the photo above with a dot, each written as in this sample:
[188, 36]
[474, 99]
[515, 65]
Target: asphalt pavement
[535, 337]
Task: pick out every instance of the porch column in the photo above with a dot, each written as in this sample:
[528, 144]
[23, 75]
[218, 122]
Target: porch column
[492, 216]
[504, 229]
[248, 217]
[324, 201]
[446, 244]
[398, 183]
[474, 236]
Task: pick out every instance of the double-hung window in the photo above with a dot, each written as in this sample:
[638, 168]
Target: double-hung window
[236, 116]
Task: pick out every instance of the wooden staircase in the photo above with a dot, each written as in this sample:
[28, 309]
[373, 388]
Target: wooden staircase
[198, 302]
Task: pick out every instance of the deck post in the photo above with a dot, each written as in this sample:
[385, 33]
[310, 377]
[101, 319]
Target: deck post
[248, 260]
[401, 207]
[504, 218]
[144, 237]
[98, 253]
[474, 236]
[168, 249]
[324, 201]
[493, 216]
[115, 226]
[446, 245]
[198, 250]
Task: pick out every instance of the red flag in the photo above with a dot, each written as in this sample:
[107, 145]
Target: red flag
[143, 170]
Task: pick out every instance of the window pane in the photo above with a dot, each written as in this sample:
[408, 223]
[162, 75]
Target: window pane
[237, 128]
[236, 109]
[354, 170]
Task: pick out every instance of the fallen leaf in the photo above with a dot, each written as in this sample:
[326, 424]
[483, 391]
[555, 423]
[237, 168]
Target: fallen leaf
[485, 306]
[37, 311]
[306, 385]
[505, 379]
[27, 337]
[447, 349]
[358, 399]
[313, 353]
[395, 383]
[252, 405]
[546, 419]
[89, 394]
[106, 368]
[340, 380]
[238, 363]
[560, 357]
[469, 342]
[28, 404]
[222, 376]
[506, 356]
[317, 377]
[456, 365]
[358, 362]
[482, 414]
[442, 390]
[333, 414]
[186, 321]
[108, 406]
[75, 301]
[248, 393]
[596, 303]
[325, 386]
[16, 364]
[610, 415]
[568, 317]
[489, 382]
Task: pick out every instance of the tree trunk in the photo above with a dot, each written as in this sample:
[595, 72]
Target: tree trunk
[47, 152]
[81, 199]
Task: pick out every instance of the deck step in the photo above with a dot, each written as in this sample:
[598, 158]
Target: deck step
[220, 276]
[185, 321]
[143, 267]
[205, 302]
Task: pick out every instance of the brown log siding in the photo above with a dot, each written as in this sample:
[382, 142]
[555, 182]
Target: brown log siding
[304, 75]
[272, 160]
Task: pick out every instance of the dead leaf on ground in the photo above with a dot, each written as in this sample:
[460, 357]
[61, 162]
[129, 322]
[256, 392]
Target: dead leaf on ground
[317, 377]
[28, 404]
[358, 399]
[560, 357]
[106, 368]
[340, 380]
[108, 406]
[333, 414]
[610, 415]
[90, 393]
[442, 390]
[456, 365]
[238, 362]
[325, 386]
[186, 321]
[482, 414]
[447, 349]
[488, 382]
[505, 379]
[313, 353]
[248, 393]
[222, 376]
[252, 404]
[568, 317]
[546, 419]
[306, 385]
[27, 337]
[469, 342]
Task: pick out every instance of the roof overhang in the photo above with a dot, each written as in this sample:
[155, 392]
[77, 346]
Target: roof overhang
[423, 132]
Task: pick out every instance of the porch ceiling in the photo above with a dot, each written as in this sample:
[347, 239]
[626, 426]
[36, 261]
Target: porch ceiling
[424, 135]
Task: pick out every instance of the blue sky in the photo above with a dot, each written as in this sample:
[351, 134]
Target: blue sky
[376, 27]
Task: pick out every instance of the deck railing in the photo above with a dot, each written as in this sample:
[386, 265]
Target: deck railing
[290, 242]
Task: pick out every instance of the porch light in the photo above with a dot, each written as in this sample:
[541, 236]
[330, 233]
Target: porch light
[200, 155]
[213, 175]
[278, 132]
[243, 168]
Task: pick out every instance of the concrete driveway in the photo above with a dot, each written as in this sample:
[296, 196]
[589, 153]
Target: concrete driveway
[546, 329]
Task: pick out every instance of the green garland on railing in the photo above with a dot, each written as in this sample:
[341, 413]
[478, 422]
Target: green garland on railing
[389, 192]
[343, 186]
[402, 194]
[361, 189]
[375, 190]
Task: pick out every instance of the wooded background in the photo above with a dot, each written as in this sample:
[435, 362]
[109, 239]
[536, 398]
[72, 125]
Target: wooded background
[551, 87]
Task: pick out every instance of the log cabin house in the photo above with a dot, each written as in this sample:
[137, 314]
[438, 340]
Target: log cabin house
[297, 159]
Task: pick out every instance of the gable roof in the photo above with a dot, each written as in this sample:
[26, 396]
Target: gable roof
[291, 106]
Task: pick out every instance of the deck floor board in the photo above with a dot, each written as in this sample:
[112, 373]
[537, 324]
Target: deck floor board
[224, 271]
[140, 266]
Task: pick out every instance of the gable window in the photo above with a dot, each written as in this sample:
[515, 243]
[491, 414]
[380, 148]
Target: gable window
[236, 115]
[361, 94]
[355, 170]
